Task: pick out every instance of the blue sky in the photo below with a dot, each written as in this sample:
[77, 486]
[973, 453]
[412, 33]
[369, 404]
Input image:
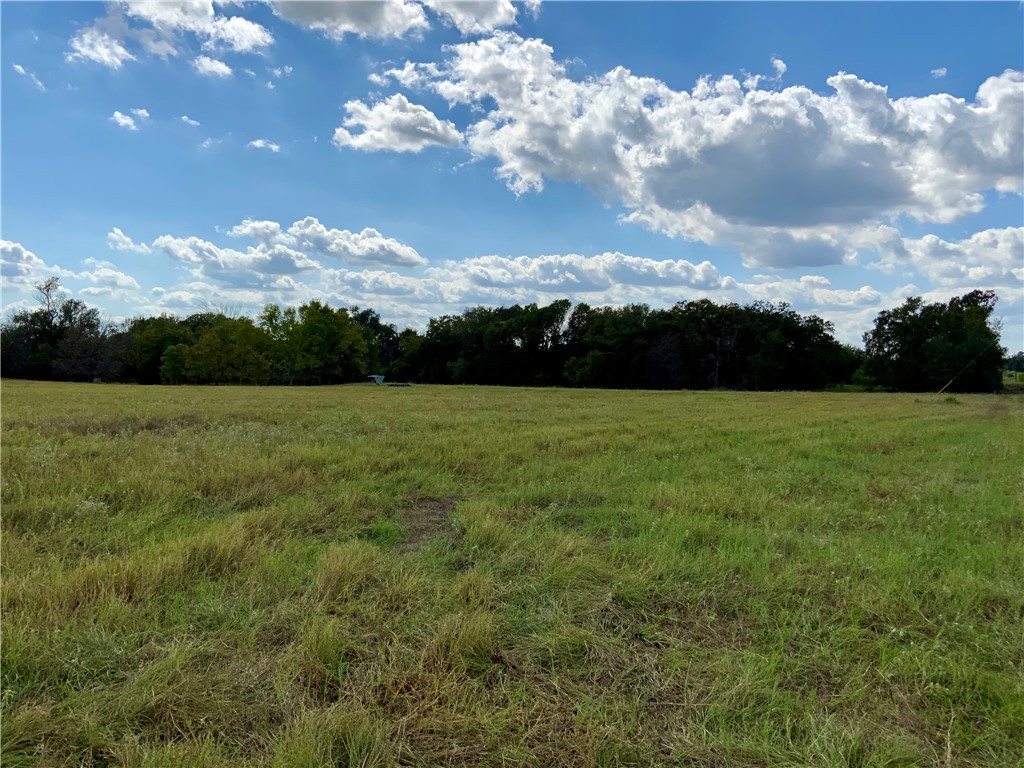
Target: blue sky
[423, 157]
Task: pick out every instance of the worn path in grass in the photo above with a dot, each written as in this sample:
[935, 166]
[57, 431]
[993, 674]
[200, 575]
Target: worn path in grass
[494, 577]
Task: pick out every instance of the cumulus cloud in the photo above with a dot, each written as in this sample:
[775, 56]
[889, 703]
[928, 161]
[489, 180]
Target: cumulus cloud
[21, 269]
[106, 280]
[251, 267]
[784, 175]
[396, 125]
[93, 44]
[30, 75]
[366, 247]
[477, 17]
[17, 261]
[264, 144]
[939, 73]
[304, 247]
[262, 231]
[200, 18]
[208, 67]
[311, 237]
[119, 241]
[124, 121]
[290, 262]
[142, 114]
[992, 258]
[189, 121]
[585, 277]
[389, 19]
[156, 27]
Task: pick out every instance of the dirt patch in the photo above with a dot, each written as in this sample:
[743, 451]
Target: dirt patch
[877, 493]
[427, 520]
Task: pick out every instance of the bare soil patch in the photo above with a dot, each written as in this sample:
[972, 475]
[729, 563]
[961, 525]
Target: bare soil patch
[427, 520]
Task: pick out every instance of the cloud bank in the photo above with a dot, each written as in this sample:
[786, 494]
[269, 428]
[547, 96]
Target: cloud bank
[788, 177]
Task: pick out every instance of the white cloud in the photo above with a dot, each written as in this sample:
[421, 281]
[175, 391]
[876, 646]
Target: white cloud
[309, 236]
[155, 43]
[107, 280]
[264, 144]
[204, 65]
[238, 34]
[280, 72]
[477, 17]
[586, 277]
[281, 257]
[785, 175]
[124, 121]
[395, 125]
[992, 258]
[189, 121]
[30, 75]
[366, 247]
[389, 19]
[252, 267]
[210, 142]
[17, 262]
[263, 231]
[20, 269]
[939, 73]
[198, 17]
[411, 75]
[141, 113]
[780, 67]
[93, 44]
[119, 241]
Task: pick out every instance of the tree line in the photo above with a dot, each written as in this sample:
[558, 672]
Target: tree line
[691, 345]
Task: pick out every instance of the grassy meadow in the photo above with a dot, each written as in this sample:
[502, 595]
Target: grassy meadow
[460, 576]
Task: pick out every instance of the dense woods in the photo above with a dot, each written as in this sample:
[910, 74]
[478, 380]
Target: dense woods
[692, 345]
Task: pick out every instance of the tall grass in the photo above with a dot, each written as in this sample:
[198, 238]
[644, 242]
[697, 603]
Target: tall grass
[365, 576]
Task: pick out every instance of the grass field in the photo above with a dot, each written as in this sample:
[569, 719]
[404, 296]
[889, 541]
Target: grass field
[361, 576]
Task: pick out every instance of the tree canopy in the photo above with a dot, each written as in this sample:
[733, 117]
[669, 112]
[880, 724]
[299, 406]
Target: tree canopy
[693, 345]
[919, 347]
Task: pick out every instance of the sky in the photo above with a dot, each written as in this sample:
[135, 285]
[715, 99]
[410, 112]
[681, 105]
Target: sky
[421, 157]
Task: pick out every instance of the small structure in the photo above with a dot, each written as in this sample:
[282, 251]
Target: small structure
[376, 378]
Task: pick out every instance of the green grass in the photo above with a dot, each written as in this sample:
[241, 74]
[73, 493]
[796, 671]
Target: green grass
[365, 576]
[1013, 381]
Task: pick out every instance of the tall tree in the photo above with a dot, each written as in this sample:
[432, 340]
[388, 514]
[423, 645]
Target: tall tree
[330, 348]
[923, 347]
[62, 339]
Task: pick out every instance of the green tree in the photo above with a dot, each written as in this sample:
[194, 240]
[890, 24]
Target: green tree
[920, 347]
[329, 347]
[407, 365]
[382, 347]
[150, 338]
[62, 339]
[231, 351]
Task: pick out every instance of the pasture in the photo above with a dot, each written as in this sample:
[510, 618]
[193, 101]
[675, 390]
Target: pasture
[463, 576]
